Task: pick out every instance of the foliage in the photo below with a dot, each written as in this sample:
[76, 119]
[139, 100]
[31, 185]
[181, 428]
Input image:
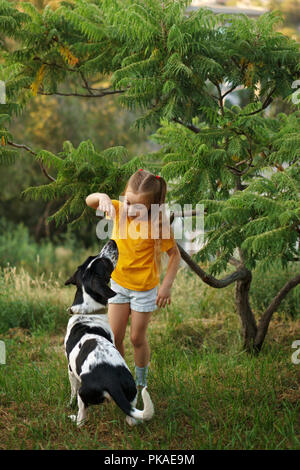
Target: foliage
[182, 72]
[35, 307]
[262, 216]
[167, 63]
[18, 249]
[79, 172]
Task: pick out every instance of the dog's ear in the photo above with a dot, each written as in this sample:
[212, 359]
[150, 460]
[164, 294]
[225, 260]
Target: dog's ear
[85, 264]
[103, 267]
[71, 280]
[103, 289]
[79, 271]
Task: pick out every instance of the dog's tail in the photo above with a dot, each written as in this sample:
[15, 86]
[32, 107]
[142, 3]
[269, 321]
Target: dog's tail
[121, 400]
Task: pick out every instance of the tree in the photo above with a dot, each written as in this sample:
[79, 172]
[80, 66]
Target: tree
[180, 71]
[45, 123]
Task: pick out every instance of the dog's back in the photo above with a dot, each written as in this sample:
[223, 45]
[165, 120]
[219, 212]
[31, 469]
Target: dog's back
[99, 367]
[116, 381]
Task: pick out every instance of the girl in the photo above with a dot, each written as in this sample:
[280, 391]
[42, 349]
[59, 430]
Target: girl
[136, 276]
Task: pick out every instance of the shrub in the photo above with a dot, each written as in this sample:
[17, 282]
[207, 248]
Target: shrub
[18, 248]
[32, 303]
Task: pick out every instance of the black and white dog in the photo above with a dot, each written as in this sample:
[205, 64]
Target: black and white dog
[97, 371]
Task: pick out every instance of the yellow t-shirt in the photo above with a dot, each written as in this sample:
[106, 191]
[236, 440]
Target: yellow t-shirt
[136, 267]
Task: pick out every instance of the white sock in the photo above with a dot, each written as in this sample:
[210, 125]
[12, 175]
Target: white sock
[141, 375]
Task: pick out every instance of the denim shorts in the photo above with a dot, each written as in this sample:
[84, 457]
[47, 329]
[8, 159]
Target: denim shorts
[141, 301]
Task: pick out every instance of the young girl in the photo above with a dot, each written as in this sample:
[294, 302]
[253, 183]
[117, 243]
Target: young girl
[136, 276]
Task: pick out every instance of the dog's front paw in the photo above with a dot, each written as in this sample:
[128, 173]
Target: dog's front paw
[75, 420]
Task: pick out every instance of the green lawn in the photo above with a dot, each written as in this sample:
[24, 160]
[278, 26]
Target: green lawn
[207, 393]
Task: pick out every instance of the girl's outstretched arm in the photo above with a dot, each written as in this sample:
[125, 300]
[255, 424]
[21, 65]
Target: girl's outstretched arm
[100, 201]
[164, 291]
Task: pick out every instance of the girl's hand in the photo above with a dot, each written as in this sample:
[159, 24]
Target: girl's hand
[106, 205]
[164, 296]
[164, 293]
[100, 201]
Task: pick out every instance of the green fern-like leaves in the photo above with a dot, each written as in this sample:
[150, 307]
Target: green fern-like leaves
[178, 72]
[80, 172]
[263, 216]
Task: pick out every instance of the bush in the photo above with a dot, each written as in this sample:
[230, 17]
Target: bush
[32, 303]
[15, 313]
[32, 276]
[15, 244]
[18, 248]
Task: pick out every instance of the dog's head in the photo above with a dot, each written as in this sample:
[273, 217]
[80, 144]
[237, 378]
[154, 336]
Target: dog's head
[91, 279]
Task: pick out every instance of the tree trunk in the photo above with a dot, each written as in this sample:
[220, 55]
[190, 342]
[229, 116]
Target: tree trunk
[253, 334]
[249, 326]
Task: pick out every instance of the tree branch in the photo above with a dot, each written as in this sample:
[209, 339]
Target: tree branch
[235, 262]
[266, 317]
[100, 95]
[229, 91]
[220, 98]
[28, 149]
[53, 64]
[189, 126]
[86, 85]
[240, 274]
[265, 104]
[185, 213]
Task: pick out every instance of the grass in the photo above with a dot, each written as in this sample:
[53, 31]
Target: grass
[207, 392]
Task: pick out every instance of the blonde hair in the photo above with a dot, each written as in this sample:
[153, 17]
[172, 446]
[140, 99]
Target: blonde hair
[143, 181]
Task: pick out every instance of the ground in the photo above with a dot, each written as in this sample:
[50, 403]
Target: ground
[207, 392]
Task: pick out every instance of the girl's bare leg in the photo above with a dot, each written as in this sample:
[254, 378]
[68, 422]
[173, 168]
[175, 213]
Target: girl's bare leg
[118, 315]
[138, 328]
